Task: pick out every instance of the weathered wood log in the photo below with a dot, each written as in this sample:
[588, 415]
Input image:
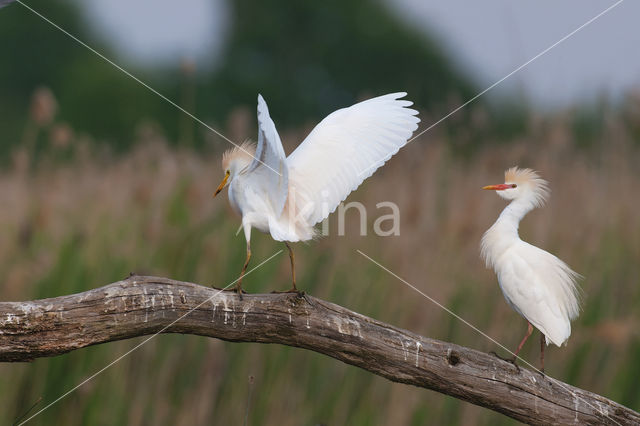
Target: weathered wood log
[146, 305]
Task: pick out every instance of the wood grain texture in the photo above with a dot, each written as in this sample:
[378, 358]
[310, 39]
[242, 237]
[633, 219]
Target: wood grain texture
[141, 306]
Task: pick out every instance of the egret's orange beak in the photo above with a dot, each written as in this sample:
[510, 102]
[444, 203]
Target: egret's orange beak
[222, 184]
[499, 187]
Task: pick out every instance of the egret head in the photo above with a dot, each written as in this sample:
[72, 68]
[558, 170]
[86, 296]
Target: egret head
[524, 184]
[235, 161]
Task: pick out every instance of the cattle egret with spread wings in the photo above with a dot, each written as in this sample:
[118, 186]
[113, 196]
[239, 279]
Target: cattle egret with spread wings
[538, 285]
[288, 196]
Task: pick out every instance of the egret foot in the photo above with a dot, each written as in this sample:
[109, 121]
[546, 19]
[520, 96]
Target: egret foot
[515, 354]
[238, 287]
[293, 288]
[510, 360]
[234, 289]
[513, 361]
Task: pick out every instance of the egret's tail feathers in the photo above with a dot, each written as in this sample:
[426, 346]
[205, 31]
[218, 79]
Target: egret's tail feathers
[567, 289]
[558, 333]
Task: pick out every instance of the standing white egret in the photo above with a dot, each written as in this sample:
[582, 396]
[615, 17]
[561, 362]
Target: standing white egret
[287, 196]
[538, 285]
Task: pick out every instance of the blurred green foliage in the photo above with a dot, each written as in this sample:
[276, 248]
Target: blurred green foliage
[317, 55]
[75, 219]
[314, 55]
[82, 223]
[92, 95]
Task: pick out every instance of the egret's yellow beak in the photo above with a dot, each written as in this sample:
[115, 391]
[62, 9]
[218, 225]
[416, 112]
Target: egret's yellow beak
[499, 187]
[222, 184]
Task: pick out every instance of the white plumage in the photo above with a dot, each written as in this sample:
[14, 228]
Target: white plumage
[287, 196]
[538, 285]
[347, 147]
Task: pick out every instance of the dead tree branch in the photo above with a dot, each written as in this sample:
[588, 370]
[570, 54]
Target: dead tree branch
[145, 305]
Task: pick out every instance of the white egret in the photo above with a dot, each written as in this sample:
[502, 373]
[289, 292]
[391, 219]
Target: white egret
[535, 283]
[287, 196]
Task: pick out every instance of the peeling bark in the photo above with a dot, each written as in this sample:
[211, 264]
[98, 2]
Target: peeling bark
[141, 306]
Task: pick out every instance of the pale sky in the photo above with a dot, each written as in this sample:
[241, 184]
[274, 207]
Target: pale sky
[161, 31]
[488, 39]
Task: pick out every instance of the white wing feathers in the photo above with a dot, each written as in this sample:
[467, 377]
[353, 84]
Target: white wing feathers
[344, 149]
[269, 172]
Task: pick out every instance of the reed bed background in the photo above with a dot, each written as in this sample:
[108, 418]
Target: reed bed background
[76, 216]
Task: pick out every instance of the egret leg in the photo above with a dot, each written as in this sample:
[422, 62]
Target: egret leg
[526, 336]
[542, 344]
[292, 258]
[293, 268]
[244, 269]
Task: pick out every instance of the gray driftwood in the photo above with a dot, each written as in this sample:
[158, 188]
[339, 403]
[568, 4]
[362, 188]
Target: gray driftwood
[141, 306]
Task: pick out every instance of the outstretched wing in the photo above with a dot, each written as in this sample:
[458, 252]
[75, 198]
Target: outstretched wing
[268, 171]
[345, 148]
